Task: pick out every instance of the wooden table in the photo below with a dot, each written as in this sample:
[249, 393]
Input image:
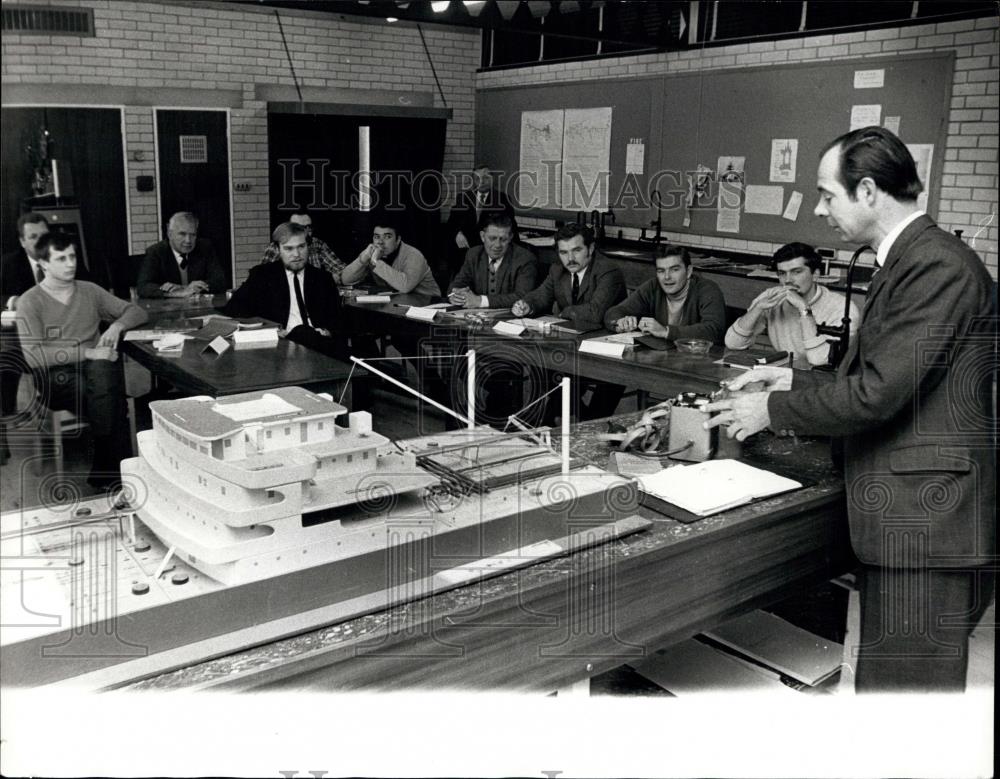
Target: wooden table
[554, 623]
[236, 370]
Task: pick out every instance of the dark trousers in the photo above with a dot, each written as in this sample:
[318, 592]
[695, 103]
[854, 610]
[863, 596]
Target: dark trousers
[94, 389]
[604, 399]
[334, 346]
[915, 626]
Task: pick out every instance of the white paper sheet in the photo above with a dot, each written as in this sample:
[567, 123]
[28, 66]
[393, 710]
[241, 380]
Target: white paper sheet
[762, 199]
[869, 79]
[865, 116]
[891, 124]
[635, 156]
[923, 155]
[792, 209]
[784, 157]
[539, 185]
[586, 158]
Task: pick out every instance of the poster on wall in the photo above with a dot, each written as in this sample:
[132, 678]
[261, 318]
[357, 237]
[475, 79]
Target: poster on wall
[541, 159]
[784, 154]
[586, 158]
[923, 155]
[730, 172]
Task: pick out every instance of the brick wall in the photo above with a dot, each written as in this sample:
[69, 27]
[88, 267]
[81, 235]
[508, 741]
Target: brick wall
[969, 176]
[212, 46]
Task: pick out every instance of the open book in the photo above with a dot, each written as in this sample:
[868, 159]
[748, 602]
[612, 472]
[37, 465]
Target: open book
[713, 486]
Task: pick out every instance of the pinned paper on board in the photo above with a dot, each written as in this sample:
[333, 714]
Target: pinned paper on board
[792, 209]
[762, 199]
[730, 171]
[865, 116]
[869, 79]
[635, 156]
[784, 154]
[892, 124]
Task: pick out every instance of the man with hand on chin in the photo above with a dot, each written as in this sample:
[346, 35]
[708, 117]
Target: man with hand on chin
[676, 304]
[392, 264]
[790, 312]
[915, 427]
[75, 365]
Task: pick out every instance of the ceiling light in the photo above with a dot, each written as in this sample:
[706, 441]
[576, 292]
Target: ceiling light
[391, 19]
[440, 6]
[474, 6]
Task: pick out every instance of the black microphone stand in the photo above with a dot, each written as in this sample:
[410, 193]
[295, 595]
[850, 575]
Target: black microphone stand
[842, 332]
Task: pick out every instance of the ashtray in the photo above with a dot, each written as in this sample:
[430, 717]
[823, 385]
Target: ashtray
[693, 345]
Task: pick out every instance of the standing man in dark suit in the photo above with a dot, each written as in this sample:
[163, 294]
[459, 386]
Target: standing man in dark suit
[182, 265]
[581, 287]
[471, 207]
[20, 271]
[912, 404]
[301, 298]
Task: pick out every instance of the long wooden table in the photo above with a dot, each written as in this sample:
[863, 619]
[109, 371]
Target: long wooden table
[555, 623]
[236, 370]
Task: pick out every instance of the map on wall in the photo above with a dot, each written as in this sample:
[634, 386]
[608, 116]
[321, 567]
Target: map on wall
[565, 159]
[586, 158]
[540, 168]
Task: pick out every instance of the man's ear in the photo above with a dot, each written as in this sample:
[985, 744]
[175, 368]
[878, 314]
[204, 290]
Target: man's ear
[866, 190]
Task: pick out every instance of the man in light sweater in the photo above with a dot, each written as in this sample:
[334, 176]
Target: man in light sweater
[390, 264]
[676, 304]
[791, 311]
[74, 365]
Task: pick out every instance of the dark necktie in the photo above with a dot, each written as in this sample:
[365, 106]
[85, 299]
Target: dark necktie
[303, 312]
[39, 273]
[576, 288]
[184, 262]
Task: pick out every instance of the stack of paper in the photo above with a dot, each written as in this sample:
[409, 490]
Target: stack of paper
[713, 486]
[614, 345]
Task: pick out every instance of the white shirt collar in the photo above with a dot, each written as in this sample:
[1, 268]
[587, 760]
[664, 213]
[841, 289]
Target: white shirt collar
[581, 273]
[883, 248]
[177, 255]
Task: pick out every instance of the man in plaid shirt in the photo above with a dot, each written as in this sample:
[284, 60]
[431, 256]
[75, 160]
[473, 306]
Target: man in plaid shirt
[320, 255]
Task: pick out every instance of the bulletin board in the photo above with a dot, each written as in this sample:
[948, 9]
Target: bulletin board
[687, 119]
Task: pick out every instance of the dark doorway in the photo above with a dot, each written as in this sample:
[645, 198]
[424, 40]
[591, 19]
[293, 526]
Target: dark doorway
[193, 151]
[313, 163]
[89, 140]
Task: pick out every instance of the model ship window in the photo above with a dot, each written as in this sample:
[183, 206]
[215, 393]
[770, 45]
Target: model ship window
[268, 433]
[320, 427]
[288, 431]
[350, 458]
[270, 493]
[365, 455]
[229, 442]
[223, 488]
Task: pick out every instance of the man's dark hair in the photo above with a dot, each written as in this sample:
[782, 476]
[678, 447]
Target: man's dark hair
[571, 230]
[678, 251]
[286, 230]
[30, 218]
[878, 154]
[50, 242]
[791, 251]
[496, 219]
[386, 219]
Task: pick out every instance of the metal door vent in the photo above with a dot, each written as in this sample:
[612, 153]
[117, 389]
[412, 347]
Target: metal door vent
[194, 148]
[48, 20]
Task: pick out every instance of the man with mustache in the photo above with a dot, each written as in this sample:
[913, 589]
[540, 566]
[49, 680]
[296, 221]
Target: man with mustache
[790, 312]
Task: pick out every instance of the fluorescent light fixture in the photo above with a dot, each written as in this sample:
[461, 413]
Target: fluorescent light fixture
[440, 6]
[474, 6]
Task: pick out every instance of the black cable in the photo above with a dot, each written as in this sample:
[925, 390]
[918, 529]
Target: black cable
[431, 62]
[288, 54]
[668, 453]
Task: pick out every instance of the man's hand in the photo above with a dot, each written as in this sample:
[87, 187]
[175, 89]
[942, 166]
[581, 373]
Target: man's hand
[100, 353]
[772, 377]
[465, 298]
[323, 331]
[626, 323]
[743, 415]
[649, 325]
[793, 297]
[374, 254]
[12, 302]
[109, 338]
[769, 298]
[461, 241]
[520, 308]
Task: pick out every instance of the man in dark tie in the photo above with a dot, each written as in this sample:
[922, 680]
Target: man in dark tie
[301, 298]
[468, 214]
[496, 273]
[182, 265]
[21, 270]
[581, 287]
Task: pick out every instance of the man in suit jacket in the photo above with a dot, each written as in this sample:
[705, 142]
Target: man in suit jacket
[182, 265]
[301, 298]
[916, 421]
[20, 271]
[471, 207]
[497, 273]
[581, 287]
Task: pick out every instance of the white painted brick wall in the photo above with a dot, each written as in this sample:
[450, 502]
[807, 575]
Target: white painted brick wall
[150, 44]
[969, 193]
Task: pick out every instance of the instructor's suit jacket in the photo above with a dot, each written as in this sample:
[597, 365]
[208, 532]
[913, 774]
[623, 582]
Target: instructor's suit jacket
[463, 214]
[913, 408]
[265, 294]
[603, 286]
[160, 266]
[516, 275]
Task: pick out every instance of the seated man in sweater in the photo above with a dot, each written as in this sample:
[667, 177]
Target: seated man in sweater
[182, 265]
[581, 287]
[390, 264]
[676, 304]
[75, 365]
[790, 312]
